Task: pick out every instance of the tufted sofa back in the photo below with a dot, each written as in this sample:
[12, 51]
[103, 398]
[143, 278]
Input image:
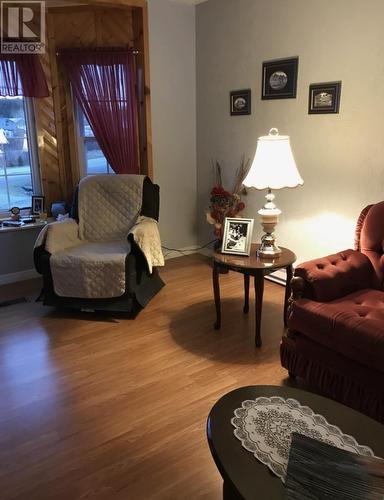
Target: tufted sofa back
[370, 238]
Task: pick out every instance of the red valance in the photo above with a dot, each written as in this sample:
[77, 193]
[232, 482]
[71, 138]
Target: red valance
[22, 75]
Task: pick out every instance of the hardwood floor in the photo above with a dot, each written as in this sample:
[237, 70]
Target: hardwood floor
[98, 407]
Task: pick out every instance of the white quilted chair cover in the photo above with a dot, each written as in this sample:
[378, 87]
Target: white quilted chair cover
[109, 206]
[88, 259]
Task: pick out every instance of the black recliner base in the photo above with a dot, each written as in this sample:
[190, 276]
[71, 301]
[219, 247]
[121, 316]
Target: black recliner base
[130, 303]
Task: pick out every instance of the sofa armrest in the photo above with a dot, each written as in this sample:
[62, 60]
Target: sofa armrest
[334, 276]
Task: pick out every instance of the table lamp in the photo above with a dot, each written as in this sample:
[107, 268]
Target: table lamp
[273, 167]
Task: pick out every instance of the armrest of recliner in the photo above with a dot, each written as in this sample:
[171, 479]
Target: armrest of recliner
[58, 236]
[146, 236]
[334, 276]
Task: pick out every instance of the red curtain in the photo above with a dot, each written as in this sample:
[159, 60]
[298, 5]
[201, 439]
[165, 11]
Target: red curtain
[22, 75]
[103, 82]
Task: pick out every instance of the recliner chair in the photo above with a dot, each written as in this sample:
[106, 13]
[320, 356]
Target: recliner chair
[139, 281]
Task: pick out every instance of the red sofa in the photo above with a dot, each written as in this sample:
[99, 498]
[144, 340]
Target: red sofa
[335, 336]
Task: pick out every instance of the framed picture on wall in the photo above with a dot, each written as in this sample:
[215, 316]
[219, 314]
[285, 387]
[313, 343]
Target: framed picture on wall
[237, 236]
[324, 98]
[280, 78]
[240, 102]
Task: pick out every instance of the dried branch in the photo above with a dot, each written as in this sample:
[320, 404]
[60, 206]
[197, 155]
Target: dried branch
[241, 172]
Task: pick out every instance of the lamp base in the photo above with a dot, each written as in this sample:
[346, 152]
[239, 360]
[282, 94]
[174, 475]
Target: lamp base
[269, 217]
[268, 248]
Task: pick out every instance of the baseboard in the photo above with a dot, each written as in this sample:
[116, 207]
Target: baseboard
[28, 274]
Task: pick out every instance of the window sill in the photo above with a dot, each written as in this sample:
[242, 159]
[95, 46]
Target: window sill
[5, 229]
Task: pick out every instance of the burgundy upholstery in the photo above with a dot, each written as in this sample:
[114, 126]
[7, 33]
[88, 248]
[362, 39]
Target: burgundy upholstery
[372, 239]
[336, 330]
[352, 326]
[336, 275]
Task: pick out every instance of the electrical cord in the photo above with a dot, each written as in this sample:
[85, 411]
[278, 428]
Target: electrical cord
[183, 252]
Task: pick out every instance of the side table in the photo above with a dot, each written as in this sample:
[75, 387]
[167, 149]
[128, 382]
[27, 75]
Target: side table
[258, 268]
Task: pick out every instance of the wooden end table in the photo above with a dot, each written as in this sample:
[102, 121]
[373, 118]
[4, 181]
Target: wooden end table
[258, 268]
[247, 478]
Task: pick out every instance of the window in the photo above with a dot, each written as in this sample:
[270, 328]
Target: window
[19, 175]
[92, 159]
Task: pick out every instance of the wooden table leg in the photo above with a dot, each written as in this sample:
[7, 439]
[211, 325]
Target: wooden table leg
[216, 291]
[246, 294]
[259, 290]
[289, 270]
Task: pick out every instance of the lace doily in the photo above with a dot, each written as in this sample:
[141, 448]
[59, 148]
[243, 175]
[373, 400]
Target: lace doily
[265, 425]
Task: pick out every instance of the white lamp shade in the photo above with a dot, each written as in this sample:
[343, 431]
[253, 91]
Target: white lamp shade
[274, 166]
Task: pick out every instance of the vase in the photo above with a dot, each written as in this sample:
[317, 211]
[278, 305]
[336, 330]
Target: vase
[218, 232]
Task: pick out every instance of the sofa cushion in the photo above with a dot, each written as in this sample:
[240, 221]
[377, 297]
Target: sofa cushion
[352, 326]
[91, 270]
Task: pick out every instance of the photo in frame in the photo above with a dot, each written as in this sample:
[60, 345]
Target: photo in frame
[237, 236]
[37, 205]
[280, 78]
[324, 97]
[240, 102]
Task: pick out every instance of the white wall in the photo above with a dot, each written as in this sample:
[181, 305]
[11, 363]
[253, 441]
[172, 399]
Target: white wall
[16, 254]
[173, 100]
[340, 156]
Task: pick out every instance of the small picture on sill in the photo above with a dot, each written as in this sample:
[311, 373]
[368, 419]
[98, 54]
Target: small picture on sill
[37, 205]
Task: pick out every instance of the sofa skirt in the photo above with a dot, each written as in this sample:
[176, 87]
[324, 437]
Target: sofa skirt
[333, 375]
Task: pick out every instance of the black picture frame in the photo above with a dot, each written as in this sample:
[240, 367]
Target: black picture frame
[324, 98]
[37, 205]
[240, 102]
[280, 78]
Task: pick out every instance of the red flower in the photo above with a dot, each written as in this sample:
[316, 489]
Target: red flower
[217, 190]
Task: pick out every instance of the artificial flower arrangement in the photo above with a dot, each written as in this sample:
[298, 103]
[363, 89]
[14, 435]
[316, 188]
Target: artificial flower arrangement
[224, 203]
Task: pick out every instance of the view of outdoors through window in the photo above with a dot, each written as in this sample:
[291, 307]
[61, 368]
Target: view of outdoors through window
[15, 165]
[94, 159]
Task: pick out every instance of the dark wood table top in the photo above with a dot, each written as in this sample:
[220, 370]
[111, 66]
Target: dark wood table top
[286, 258]
[242, 471]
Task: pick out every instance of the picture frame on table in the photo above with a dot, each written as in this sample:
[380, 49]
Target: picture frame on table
[237, 237]
[37, 205]
[324, 98]
[280, 78]
[240, 102]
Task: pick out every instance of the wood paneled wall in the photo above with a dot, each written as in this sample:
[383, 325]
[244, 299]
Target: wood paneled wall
[84, 26]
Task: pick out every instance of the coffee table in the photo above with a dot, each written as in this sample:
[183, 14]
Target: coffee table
[244, 476]
[258, 268]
